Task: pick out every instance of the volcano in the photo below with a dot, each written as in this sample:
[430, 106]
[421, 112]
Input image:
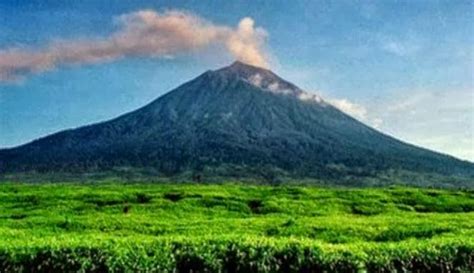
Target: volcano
[235, 121]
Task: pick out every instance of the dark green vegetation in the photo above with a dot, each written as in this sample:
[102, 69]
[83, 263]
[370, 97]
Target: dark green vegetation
[233, 228]
[239, 122]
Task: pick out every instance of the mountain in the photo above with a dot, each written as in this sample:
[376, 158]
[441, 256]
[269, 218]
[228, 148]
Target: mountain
[236, 121]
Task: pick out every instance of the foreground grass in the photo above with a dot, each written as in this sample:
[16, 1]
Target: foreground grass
[233, 228]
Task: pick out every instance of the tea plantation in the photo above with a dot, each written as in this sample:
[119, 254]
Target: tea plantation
[118, 227]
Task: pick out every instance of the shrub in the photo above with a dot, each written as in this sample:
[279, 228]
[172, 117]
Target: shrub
[173, 196]
[226, 255]
[143, 198]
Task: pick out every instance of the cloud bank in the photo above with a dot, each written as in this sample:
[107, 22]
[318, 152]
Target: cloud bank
[144, 33]
[357, 111]
[428, 118]
[440, 119]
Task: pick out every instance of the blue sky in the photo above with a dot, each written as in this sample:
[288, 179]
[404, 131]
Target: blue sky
[404, 67]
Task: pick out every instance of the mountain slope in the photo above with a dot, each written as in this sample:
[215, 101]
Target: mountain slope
[240, 116]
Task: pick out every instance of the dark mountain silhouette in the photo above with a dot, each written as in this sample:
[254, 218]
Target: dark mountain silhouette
[238, 119]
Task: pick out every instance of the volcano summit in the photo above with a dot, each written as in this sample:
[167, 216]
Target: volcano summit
[237, 121]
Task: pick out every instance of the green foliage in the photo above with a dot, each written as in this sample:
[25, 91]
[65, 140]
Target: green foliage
[233, 228]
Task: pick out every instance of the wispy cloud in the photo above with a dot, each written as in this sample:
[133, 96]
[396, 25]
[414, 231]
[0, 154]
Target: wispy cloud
[439, 120]
[401, 46]
[357, 111]
[442, 120]
[142, 33]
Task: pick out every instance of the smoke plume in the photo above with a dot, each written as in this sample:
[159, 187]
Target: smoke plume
[144, 33]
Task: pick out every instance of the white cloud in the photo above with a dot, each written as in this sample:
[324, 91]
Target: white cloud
[353, 109]
[256, 80]
[307, 96]
[439, 120]
[357, 111]
[404, 46]
[274, 87]
[398, 48]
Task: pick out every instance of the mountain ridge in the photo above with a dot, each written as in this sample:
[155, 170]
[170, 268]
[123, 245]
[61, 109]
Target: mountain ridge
[239, 116]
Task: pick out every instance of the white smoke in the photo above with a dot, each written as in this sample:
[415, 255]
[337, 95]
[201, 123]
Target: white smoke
[246, 43]
[144, 33]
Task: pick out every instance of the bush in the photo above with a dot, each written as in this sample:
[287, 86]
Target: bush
[227, 255]
[143, 198]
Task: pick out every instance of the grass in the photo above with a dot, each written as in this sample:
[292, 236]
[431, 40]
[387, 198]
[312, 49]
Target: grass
[233, 228]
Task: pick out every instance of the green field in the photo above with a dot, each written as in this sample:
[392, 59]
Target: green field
[233, 228]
